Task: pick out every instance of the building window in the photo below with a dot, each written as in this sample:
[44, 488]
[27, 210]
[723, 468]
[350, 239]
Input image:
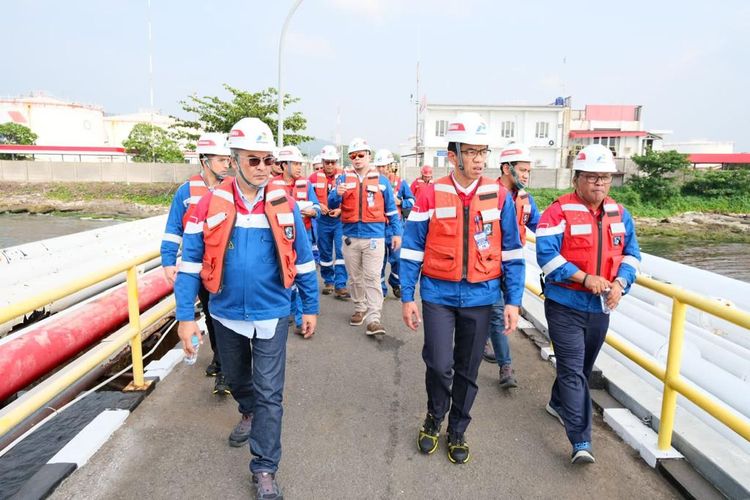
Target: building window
[441, 126]
[613, 143]
[508, 129]
[542, 130]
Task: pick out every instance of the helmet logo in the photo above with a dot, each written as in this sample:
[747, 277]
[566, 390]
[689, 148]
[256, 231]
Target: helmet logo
[206, 142]
[262, 137]
[581, 156]
[236, 133]
[481, 128]
[456, 127]
[509, 152]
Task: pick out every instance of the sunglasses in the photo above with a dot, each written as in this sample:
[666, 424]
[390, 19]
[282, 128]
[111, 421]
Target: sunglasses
[254, 161]
[356, 155]
[329, 162]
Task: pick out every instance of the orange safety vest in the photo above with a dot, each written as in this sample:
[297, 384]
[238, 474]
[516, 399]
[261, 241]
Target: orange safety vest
[219, 224]
[298, 192]
[593, 245]
[323, 186]
[363, 201]
[465, 242]
[523, 212]
[198, 188]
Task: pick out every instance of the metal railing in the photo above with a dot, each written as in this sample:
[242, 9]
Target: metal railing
[669, 375]
[35, 399]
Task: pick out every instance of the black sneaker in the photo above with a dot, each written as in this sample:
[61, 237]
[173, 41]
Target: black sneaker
[427, 442]
[266, 487]
[241, 432]
[458, 448]
[489, 353]
[221, 387]
[397, 292]
[213, 369]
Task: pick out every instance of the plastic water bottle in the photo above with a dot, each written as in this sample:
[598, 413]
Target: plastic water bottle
[191, 359]
[603, 297]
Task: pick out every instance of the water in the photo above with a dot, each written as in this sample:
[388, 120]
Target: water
[728, 259]
[16, 229]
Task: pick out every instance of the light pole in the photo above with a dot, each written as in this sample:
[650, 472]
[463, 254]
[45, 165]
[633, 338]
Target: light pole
[280, 111]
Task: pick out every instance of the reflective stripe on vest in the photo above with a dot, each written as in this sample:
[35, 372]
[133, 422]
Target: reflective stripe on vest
[355, 206]
[219, 224]
[452, 249]
[594, 250]
[523, 213]
[198, 188]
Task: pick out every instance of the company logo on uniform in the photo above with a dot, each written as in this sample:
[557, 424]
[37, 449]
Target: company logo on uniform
[617, 241]
[289, 232]
[487, 228]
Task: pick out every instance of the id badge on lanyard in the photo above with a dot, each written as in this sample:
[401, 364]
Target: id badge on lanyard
[480, 236]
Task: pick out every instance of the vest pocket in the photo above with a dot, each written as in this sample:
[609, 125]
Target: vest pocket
[440, 258]
[614, 266]
[488, 261]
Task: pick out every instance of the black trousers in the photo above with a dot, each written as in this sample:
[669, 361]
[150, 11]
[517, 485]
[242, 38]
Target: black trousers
[203, 298]
[454, 339]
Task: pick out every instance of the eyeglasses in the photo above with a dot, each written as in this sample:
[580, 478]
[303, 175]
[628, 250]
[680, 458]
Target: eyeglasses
[593, 179]
[254, 161]
[356, 155]
[473, 153]
[330, 162]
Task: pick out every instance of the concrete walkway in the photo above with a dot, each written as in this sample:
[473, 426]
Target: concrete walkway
[353, 406]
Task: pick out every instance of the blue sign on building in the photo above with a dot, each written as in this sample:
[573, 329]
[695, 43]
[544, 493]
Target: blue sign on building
[443, 152]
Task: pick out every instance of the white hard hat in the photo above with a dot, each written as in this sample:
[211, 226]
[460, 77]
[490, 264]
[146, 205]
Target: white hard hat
[359, 144]
[251, 134]
[317, 159]
[329, 153]
[515, 152]
[212, 143]
[468, 128]
[383, 157]
[289, 153]
[595, 158]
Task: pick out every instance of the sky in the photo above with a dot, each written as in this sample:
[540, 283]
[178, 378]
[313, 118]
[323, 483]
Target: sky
[686, 62]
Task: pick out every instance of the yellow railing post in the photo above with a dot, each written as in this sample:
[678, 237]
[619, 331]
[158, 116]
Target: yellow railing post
[135, 327]
[672, 373]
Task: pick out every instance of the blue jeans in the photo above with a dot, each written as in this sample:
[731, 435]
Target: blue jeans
[332, 268]
[255, 372]
[499, 340]
[577, 337]
[392, 258]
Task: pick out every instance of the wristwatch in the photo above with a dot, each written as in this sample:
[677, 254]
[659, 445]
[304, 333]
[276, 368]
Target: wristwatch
[622, 282]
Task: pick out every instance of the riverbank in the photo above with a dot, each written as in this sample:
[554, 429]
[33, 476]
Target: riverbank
[133, 201]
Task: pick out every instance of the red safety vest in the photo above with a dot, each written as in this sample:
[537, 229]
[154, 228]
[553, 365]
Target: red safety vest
[395, 181]
[593, 245]
[297, 190]
[219, 224]
[523, 212]
[324, 185]
[356, 204]
[198, 188]
[417, 186]
[465, 242]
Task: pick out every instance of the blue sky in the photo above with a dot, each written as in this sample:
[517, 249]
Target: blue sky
[686, 62]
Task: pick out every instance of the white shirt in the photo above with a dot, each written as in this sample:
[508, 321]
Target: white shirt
[464, 190]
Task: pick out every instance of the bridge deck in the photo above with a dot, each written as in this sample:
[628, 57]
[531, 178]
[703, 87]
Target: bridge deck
[352, 409]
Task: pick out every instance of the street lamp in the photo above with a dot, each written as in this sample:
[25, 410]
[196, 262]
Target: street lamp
[280, 112]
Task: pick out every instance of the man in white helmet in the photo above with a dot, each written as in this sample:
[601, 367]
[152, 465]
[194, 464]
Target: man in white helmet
[462, 238]
[515, 164]
[588, 251]
[384, 162]
[317, 164]
[246, 243]
[301, 190]
[330, 233]
[213, 155]
[366, 200]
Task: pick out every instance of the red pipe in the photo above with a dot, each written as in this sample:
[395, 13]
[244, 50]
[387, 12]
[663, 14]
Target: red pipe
[40, 350]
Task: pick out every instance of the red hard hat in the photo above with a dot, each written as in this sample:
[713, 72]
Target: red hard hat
[426, 170]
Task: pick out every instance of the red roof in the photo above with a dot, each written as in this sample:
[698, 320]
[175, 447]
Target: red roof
[720, 158]
[60, 150]
[607, 133]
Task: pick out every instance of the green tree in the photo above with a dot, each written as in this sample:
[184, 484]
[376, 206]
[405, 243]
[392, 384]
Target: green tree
[660, 168]
[149, 143]
[212, 114]
[14, 133]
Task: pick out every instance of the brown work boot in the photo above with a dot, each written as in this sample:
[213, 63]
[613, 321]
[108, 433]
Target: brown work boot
[357, 318]
[298, 330]
[375, 328]
[343, 294]
[328, 289]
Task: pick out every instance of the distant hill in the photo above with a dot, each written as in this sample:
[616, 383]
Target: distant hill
[312, 148]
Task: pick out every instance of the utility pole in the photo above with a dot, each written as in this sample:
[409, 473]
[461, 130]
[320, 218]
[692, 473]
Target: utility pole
[280, 110]
[151, 83]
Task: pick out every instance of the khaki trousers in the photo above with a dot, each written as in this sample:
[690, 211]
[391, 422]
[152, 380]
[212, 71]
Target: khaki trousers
[363, 264]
